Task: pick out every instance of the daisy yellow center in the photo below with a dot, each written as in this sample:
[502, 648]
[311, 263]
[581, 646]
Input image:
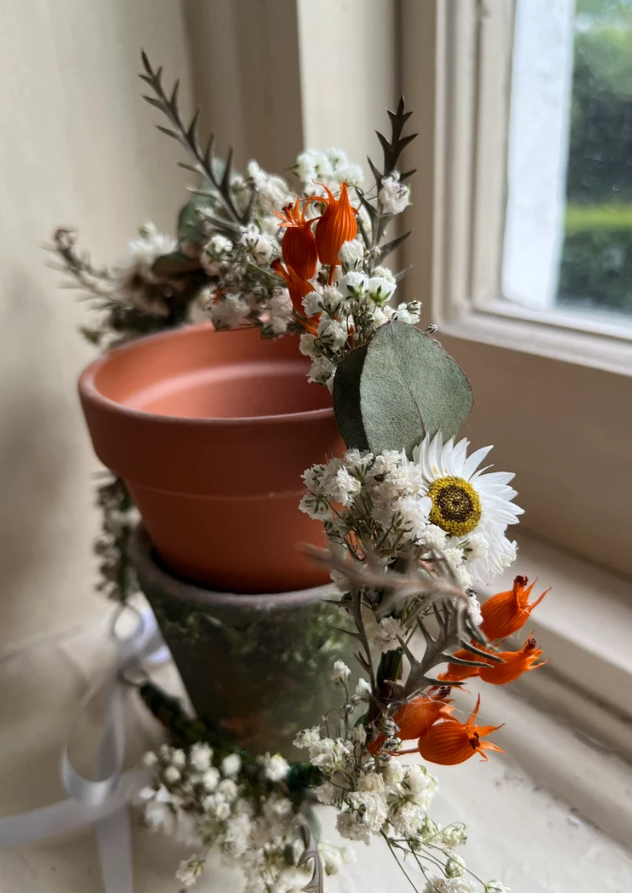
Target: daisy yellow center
[456, 506]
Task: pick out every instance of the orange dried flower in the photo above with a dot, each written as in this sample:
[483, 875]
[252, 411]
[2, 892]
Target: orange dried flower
[451, 741]
[415, 718]
[298, 244]
[297, 288]
[515, 664]
[336, 226]
[507, 612]
[459, 672]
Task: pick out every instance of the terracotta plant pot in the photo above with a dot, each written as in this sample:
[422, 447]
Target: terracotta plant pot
[211, 431]
[257, 666]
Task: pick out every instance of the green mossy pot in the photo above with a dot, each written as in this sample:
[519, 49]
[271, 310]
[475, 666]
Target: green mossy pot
[258, 666]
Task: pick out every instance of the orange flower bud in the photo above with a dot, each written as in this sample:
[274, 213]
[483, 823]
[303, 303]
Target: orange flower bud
[459, 672]
[415, 718]
[297, 288]
[515, 663]
[298, 244]
[336, 226]
[507, 612]
[451, 741]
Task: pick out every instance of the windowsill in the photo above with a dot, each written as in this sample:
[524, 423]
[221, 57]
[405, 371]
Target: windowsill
[583, 624]
[570, 724]
[559, 336]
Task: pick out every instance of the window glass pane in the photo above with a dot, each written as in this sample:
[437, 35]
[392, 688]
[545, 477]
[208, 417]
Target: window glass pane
[568, 237]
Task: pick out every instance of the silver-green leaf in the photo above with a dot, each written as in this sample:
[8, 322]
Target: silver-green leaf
[409, 388]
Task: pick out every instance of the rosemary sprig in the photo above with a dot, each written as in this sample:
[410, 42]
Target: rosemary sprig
[203, 159]
[392, 150]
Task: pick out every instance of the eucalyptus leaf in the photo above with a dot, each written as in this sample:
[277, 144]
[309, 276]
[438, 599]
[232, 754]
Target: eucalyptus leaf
[347, 399]
[175, 264]
[192, 228]
[409, 388]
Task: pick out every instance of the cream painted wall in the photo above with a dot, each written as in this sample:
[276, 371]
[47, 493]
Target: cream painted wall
[348, 83]
[77, 148]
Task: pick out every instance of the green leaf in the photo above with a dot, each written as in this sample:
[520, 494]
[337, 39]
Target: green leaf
[347, 399]
[192, 228]
[409, 388]
[175, 264]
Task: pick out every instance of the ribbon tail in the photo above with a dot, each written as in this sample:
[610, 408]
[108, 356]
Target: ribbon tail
[67, 815]
[114, 839]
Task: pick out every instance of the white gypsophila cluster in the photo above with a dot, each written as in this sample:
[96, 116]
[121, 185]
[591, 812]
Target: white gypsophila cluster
[438, 501]
[394, 196]
[461, 884]
[208, 803]
[273, 193]
[379, 796]
[451, 885]
[245, 293]
[133, 274]
[348, 314]
[328, 167]
[388, 634]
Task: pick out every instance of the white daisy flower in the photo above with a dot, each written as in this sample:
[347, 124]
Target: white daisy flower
[469, 503]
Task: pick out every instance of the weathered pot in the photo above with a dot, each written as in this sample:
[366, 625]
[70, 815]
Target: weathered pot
[211, 431]
[258, 666]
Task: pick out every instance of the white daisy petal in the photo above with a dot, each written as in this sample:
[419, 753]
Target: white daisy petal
[473, 461]
[471, 505]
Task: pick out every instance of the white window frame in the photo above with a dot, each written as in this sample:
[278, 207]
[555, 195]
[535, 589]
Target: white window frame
[456, 72]
[470, 65]
[551, 388]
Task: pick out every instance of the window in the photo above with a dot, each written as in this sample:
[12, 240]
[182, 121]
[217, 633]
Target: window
[553, 389]
[568, 229]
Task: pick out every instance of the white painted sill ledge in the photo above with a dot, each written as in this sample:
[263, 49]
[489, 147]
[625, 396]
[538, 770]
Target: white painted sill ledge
[569, 725]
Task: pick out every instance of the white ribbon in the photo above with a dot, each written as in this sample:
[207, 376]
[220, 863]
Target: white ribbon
[101, 802]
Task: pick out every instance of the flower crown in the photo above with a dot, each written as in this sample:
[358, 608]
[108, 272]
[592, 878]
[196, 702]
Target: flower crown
[416, 526]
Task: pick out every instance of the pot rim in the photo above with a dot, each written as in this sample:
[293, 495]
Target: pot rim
[150, 569]
[89, 391]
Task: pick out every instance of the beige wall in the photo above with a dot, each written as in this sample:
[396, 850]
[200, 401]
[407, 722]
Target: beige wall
[77, 148]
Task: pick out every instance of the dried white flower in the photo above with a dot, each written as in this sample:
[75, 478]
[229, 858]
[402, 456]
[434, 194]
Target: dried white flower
[276, 767]
[307, 738]
[407, 819]
[394, 196]
[189, 871]
[228, 789]
[380, 289]
[455, 866]
[211, 778]
[363, 689]
[200, 756]
[420, 783]
[451, 836]
[171, 775]
[450, 885]
[389, 629]
[178, 759]
[231, 765]
[352, 253]
[273, 191]
[340, 672]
